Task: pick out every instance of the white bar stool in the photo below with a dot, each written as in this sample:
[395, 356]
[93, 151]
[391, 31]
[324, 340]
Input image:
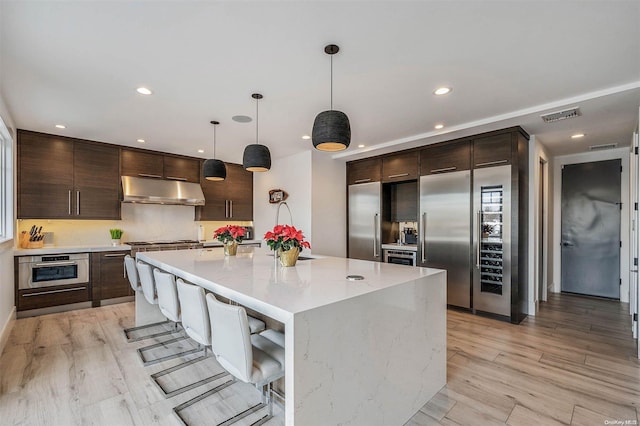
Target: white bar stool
[169, 305]
[196, 323]
[142, 282]
[255, 359]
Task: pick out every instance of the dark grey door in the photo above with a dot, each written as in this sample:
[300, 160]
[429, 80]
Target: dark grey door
[591, 228]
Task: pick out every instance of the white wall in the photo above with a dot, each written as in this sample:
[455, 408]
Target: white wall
[537, 153]
[7, 307]
[558, 162]
[317, 199]
[293, 175]
[329, 205]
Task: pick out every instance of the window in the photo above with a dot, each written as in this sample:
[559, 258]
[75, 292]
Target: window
[6, 183]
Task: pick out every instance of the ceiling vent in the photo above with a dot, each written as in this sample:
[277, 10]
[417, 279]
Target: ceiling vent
[561, 115]
[603, 146]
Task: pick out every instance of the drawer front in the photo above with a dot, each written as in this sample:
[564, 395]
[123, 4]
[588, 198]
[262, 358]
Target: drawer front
[53, 296]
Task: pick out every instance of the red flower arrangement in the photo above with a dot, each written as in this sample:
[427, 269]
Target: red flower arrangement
[229, 233]
[285, 237]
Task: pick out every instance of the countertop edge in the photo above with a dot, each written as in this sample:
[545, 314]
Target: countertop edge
[69, 249]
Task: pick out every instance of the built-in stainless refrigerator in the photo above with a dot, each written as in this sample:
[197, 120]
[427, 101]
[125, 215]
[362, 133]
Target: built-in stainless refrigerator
[364, 221]
[492, 240]
[445, 231]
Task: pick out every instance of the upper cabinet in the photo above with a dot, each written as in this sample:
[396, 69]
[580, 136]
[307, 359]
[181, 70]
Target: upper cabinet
[445, 157]
[230, 199]
[364, 171]
[400, 167]
[157, 165]
[62, 178]
[493, 150]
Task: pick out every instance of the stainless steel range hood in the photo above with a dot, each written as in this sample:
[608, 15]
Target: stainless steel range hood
[161, 191]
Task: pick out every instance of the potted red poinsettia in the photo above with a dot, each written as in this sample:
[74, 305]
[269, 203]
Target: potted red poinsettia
[288, 242]
[230, 236]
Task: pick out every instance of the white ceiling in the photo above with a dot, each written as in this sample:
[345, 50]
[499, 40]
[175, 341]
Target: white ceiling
[79, 62]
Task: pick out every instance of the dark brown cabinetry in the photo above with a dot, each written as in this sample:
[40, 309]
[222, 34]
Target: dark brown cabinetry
[52, 296]
[108, 279]
[61, 178]
[157, 165]
[400, 167]
[492, 150]
[231, 199]
[446, 157]
[364, 171]
[403, 205]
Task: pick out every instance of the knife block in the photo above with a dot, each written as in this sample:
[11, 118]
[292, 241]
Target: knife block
[25, 243]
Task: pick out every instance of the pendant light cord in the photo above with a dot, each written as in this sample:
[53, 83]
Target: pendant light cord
[214, 141]
[257, 119]
[331, 74]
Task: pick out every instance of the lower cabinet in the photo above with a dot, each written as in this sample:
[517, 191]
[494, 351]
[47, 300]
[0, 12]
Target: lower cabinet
[46, 297]
[108, 279]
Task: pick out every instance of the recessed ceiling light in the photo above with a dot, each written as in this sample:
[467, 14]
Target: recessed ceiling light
[438, 126]
[577, 136]
[241, 119]
[201, 151]
[361, 146]
[61, 126]
[442, 91]
[143, 91]
[141, 140]
[306, 137]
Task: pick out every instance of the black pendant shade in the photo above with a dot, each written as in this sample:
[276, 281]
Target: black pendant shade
[256, 157]
[214, 169]
[331, 131]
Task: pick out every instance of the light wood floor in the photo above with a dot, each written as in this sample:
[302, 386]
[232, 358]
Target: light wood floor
[574, 363]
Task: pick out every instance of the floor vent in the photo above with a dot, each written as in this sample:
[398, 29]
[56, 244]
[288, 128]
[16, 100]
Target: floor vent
[603, 146]
[561, 115]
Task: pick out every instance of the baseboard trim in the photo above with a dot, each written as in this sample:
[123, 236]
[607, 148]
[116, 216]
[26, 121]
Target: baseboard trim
[6, 329]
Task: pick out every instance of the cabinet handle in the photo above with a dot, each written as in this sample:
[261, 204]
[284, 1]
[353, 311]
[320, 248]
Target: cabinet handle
[479, 234]
[116, 255]
[226, 208]
[78, 203]
[63, 263]
[69, 202]
[41, 293]
[231, 208]
[424, 237]
[177, 178]
[148, 175]
[492, 163]
[363, 180]
[398, 175]
[375, 236]
[445, 169]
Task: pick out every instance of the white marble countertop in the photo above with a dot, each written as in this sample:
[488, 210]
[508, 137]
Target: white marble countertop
[69, 249]
[216, 243]
[251, 279]
[396, 246]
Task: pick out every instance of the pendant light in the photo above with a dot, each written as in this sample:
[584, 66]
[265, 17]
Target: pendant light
[256, 157]
[331, 129]
[214, 169]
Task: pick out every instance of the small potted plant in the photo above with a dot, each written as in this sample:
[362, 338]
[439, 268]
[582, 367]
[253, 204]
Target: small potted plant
[288, 242]
[230, 236]
[116, 235]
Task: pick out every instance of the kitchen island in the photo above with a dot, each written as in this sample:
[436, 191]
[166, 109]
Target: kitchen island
[366, 352]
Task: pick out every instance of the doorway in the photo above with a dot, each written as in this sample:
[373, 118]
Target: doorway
[542, 232]
[590, 228]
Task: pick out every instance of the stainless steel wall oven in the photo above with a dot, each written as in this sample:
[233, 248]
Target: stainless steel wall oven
[52, 270]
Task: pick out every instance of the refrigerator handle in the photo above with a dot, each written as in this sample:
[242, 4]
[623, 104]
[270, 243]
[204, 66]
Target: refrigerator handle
[479, 237]
[375, 236]
[424, 237]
